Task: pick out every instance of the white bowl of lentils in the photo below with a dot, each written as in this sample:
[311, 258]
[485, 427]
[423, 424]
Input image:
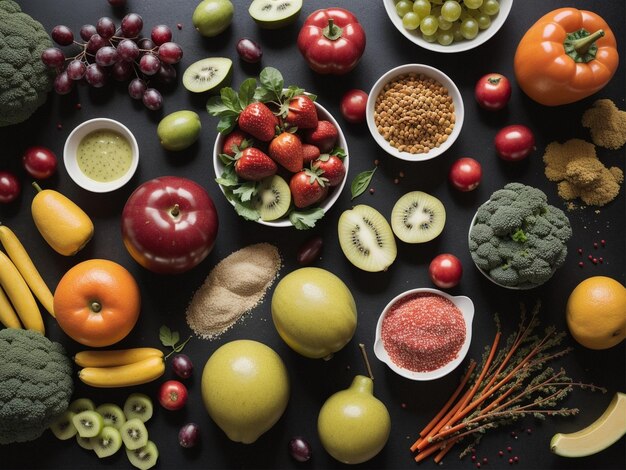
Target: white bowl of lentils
[415, 112]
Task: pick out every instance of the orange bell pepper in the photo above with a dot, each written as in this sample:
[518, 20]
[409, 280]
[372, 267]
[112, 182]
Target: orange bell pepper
[567, 55]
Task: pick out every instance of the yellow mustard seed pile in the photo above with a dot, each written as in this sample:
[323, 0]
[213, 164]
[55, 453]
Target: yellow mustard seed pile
[414, 113]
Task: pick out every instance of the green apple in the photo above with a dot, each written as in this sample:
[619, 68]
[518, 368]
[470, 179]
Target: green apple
[245, 388]
[314, 312]
[211, 17]
[354, 425]
[179, 130]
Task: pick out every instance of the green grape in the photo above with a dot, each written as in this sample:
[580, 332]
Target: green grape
[403, 7]
[429, 37]
[490, 7]
[456, 32]
[473, 4]
[469, 28]
[445, 38]
[429, 25]
[421, 7]
[411, 21]
[443, 24]
[436, 2]
[436, 12]
[483, 20]
[451, 10]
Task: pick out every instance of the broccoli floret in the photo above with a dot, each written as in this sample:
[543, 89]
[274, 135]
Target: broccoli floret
[35, 384]
[24, 80]
[520, 240]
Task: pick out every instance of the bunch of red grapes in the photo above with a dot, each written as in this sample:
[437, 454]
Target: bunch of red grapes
[108, 52]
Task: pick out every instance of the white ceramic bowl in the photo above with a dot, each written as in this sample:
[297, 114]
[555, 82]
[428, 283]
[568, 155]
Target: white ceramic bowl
[464, 304]
[334, 193]
[483, 36]
[71, 146]
[427, 71]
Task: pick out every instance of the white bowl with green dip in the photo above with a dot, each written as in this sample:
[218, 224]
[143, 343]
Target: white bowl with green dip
[101, 155]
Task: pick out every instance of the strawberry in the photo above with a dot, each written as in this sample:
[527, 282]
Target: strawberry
[332, 168]
[258, 120]
[254, 165]
[234, 142]
[307, 188]
[302, 113]
[286, 149]
[324, 136]
[309, 153]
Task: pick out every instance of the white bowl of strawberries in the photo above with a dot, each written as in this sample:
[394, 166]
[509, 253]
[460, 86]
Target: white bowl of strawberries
[280, 158]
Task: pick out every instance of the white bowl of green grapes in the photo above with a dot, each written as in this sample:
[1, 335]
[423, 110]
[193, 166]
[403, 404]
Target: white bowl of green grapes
[448, 25]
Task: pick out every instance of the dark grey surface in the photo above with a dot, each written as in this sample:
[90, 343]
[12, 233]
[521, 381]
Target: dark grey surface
[165, 297]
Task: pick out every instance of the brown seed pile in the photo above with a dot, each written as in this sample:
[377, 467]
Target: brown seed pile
[607, 124]
[414, 113]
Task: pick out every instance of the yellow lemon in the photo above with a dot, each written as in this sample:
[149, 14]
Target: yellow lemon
[596, 312]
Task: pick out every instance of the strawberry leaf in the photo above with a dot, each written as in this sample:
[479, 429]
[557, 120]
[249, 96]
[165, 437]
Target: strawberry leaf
[246, 191]
[338, 152]
[226, 124]
[230, 98]
[304, 220]
[216, 107]
[246, 92]
[263, 95]
[271, 79]
[226, 159]
[245, 210]
[229, 177]
[292, 91]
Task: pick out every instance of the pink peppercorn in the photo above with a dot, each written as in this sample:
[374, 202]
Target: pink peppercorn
[580, 251]
[516, 459]
[500, 453]
[601, 260]
[509, 449]
[473, 458]
[603, 242]
[485, 460]
[477, 464]
[510, 461]
[595, 245]
[594, 261]
[179, 26]
[581, 264]
[590, 257]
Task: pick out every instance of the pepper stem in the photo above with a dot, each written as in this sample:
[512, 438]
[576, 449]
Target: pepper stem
[36, 186]
[582, 45]
[366, 360]
[332, 31]
[175, 210]
[95, 306]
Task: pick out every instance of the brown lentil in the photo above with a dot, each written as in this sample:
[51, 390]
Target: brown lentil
[414, 113]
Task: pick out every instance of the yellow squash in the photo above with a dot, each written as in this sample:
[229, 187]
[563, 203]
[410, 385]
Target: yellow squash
[127, 375]
[117, 357]
[8, 317]
[63, 224]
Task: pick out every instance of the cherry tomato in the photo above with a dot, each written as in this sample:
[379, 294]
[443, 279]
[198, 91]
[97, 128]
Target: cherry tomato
[445, 271]
[39, 162]
[353, 106]
[514, 142]
[465, 174]
[172, 395]
[493, 91]
[9, 187]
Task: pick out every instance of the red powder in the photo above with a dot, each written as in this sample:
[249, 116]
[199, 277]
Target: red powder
[423, 332]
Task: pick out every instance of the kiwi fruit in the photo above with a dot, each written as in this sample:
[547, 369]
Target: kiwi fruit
[86, 443]
[366, 239]
[139, 406]
[417, 217]
[145, 457]
[81, 404]
[273, 198]
[208, 74]
[62, 427]
[108, 442]
[274, 14]
[112, 414]
[88, 423]
[134, 434]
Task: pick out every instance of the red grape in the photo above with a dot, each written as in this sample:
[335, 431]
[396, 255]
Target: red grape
[76, 69]
[105, 27]
[39, 162]
[95, 76]
[188, 435]
[145, 44]
[131, 25]
[127, 50]
[149, 64]
[62, 35]
[300, 449]
[106, 56]
[53, 57]
[136, 88]
[95, 43]
[182, 365]
[63, 84]
[152, 99]
[465, 174]
[122, 71]
[166, 74]
[249, 51]
[86, 31]
[161, 34]
[353, 105]
[117, 3]
[9, 187]
[170, 53]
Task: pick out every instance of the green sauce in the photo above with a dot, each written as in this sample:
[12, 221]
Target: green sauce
[104, 155]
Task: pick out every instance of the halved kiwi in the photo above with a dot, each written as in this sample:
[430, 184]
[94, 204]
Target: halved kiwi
[81, 404]
[134, 434]
[139, 406]
[108, 442]
[145, 457]
[86, 443]
[418, 217]
[274, 14]
[273, 198]
[62, 427]
[88, 423]
[208, 74]
[112, 414]
[366, 239]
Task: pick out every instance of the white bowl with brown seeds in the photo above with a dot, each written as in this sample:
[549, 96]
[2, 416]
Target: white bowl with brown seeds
[415, 112]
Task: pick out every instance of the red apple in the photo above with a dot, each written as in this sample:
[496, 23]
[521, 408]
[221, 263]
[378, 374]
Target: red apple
[169, 224]
[445, 271]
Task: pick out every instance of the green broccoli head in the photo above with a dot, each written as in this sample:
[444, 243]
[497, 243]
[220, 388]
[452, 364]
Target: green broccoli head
[35, 384]
[24, 80]
[517, 238]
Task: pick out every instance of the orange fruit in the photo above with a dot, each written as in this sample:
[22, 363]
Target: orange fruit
[97, 302]
[596, 312]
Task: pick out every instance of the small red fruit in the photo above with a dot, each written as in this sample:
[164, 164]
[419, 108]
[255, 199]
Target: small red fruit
[514, 142]
[172, 395]
[492, 91]
[309, 153]
[445, 271]
[302, 113]
[324, 136]
[258, 121]
[308, 188]
[254, 165]
[465, 174]
[234, 142]
[39, 162]
[353, 105]
[286, 149]
[332, 168]
[9, 187]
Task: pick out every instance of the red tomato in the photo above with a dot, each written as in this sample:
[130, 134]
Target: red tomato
[445, 271]
[332, 41]
[465, 174]
[39, 162]
[514, 142]
[9, 187]
[353, 106]
[172, 395]
[493, 91]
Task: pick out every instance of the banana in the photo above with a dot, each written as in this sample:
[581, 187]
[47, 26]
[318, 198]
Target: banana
[20, 295]
[119, 357]
[137, 373]
[25, 266]
[8, 317]
[599, 435]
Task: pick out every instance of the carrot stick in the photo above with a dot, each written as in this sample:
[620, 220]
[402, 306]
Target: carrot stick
[423, 454]
[428, 438]
[445, 449]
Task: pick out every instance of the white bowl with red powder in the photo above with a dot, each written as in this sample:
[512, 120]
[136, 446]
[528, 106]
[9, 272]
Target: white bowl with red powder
[424, 334]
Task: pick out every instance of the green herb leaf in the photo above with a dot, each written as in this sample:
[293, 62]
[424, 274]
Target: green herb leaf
[361, 182]
[272, 79]
[292, 91]
[180, 347]
[246, 92]
[245, 210]
[263, 95]
[338, 152]
[226, 124]
[229, 177]
[246, 191]
[215, 106]
[226, 159]
[304, 220]
[167, 337]
[230, 98]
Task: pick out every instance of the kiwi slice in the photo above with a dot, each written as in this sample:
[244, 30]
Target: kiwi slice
[274, 14]
[145, 457]
[273, 198]
[62, 427]
[208, 74]
[417, 217]
[108, 442]
[366, 239]
[134, 434]
[86, 443]
[81, 404]
[139, 406]
[88, 423]
[112, 414]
